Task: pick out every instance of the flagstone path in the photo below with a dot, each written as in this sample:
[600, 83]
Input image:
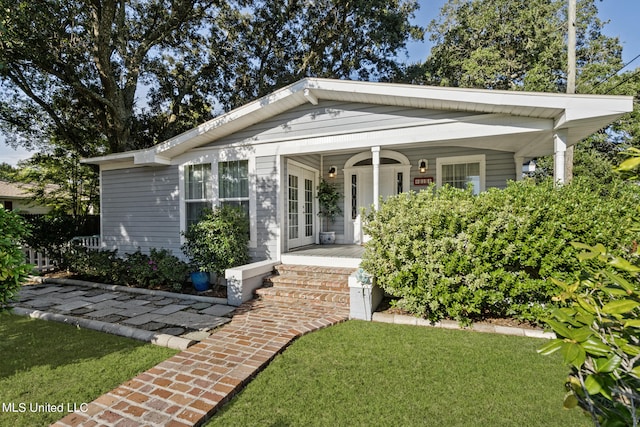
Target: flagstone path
[164, 318]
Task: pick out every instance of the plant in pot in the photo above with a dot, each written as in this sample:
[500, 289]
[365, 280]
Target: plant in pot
[328, 198]
[219, 240]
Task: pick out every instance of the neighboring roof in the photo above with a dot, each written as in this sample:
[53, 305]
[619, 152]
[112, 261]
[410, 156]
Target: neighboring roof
[12, 190]
[19, 190]
[580, 114]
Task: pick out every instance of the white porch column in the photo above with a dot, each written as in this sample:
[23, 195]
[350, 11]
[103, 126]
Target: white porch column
[559, 148]
[518, 162]
[375, 160]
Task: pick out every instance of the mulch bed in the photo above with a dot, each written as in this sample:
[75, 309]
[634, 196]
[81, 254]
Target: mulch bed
[216, 291]
[386, 306]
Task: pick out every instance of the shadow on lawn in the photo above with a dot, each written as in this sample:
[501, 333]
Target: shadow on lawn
[27, 343]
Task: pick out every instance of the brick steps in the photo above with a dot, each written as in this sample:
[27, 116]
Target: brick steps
[278, 281]
[326, 286]
[297, 296]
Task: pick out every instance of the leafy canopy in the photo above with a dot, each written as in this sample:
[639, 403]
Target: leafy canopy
[108, 76]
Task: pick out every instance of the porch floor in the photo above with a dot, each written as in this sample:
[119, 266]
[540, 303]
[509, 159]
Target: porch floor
[325, 255]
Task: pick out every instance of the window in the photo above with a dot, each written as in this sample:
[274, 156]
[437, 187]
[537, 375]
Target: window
[462, 171]
[197, 191]
[233, 182]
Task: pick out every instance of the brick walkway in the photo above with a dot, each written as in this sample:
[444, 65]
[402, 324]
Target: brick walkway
[188, 388]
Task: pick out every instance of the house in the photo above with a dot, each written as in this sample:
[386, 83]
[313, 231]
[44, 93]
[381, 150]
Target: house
[371, 139]
[15, 196]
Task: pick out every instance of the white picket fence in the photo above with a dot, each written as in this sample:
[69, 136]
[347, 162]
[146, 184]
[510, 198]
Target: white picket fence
[43, 263]
[40, 261]
[89, 242]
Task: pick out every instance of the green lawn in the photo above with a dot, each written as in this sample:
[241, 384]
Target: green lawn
[371, 374]
[53, 363]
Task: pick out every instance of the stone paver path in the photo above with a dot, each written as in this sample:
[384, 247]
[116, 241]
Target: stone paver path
[125, 311]
[188, 388]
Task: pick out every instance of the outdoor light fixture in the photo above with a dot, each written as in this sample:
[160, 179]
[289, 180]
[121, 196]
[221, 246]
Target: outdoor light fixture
[423, 165]
[333, 171]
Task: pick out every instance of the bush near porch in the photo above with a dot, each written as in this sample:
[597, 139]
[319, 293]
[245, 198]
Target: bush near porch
[448, 254]
[159, 268]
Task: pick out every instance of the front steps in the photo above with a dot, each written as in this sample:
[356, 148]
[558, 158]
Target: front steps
[326, 286]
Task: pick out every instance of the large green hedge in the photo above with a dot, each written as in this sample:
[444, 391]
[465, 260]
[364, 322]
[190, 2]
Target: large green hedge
[13, 269]
[449, 254]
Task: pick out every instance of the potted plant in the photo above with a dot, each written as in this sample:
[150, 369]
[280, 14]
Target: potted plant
[328, 198]
[219, 240]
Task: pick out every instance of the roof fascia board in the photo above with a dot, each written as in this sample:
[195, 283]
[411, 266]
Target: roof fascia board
[480, 96]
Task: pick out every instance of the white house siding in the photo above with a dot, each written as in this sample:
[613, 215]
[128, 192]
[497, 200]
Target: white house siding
[141, 209]
[267, 227]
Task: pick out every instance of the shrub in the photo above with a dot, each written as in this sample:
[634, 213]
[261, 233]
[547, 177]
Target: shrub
[598, 330]
[598, 337]
[447, 253]
[102, 266]
[219, 240]
[13, 269]
[159, 268]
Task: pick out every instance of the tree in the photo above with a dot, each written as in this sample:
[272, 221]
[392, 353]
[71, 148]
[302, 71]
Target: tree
[61, 182]
[92, 55]
[515, 45]
[74, 69]
[6, 172]
[322, 38]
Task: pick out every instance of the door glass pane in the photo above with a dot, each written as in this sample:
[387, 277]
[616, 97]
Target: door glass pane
[308, 207]
[293, 207]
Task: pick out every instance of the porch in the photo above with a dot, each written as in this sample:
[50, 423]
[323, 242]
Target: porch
[344, 256]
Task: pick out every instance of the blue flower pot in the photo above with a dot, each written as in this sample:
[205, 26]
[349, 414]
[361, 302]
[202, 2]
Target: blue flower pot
[200, 280]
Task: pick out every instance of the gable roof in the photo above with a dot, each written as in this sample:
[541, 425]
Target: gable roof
[580, 114]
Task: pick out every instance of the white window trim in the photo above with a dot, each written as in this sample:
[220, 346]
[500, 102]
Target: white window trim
[253, 224]
[478, 158]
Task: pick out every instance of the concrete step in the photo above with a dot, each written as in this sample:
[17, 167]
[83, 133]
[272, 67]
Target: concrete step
[296, 295]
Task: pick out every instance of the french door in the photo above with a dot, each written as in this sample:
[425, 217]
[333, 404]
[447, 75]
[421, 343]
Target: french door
[301, 218]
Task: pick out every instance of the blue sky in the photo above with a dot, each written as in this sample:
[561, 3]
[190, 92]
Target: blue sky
[623, 15]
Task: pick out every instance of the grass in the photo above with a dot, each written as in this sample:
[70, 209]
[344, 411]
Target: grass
[53, 363]
[363, 374]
